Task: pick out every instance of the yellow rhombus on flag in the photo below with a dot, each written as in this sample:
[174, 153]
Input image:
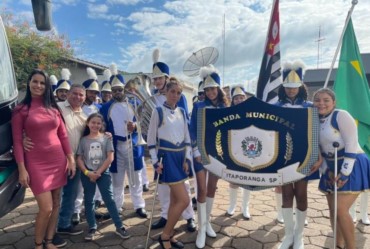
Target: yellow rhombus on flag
[351, 87]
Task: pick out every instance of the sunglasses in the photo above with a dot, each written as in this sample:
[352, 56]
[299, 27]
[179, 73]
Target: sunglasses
[117, 90]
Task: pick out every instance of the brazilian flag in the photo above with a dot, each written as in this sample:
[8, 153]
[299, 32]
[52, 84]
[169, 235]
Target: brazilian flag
[351, 86]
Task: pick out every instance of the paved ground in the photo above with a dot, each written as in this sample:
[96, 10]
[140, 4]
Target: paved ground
[261, 232]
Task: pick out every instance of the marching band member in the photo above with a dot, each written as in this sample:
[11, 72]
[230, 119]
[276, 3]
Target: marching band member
[197, 98]
[214, 98]
[63, 85]
[119, 117]
[238, 95]
[353, 164]
[160, 77]
[106, 89]
[293, 94]
[168, 138]
[92, 91]
[201, 95]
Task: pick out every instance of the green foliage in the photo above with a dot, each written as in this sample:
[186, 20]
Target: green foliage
[32, 49]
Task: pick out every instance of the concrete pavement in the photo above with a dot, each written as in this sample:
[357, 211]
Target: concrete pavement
[260, 232]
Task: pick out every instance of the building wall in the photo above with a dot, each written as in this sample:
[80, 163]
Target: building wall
[315, 78]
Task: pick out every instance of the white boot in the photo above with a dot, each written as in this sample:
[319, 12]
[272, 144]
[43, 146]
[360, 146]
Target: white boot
[202, 224]
[298, 229]
[288, 228]
[210, 232]
[295, 208]
[245, 204]
[363, 208]
[352, 212]
[279, 203]
[233, 197]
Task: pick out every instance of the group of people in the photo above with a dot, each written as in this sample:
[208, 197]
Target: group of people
[338, 131]
[72, 150]
[50, 138]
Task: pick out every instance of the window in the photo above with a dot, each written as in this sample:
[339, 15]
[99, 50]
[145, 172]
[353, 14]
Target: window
[8, 86]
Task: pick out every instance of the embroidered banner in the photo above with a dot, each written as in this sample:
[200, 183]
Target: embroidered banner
[255, 144]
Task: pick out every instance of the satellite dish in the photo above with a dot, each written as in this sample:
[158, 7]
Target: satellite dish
[201, 58]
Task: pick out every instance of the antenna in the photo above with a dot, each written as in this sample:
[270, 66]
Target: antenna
[319, 40]
[201, 58]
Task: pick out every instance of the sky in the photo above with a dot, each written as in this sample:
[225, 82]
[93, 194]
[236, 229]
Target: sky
[127, 31]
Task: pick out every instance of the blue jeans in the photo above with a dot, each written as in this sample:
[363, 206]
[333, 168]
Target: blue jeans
[104, 183]
[67, 205]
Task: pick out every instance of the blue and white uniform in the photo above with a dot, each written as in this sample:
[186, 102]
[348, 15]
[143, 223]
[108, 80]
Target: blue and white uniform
[161, 98]
[116, 115]
[164, 189]
[193, 129]
[299, 103]
[168, 137]
[340, 127]
[161, 69]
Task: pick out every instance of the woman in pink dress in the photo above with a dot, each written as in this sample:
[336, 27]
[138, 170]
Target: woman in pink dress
[44, 168]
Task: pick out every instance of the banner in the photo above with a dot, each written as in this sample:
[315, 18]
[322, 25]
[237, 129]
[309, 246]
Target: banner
[258, 144]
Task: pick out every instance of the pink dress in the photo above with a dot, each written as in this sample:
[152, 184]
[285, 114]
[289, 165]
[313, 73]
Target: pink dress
[46, 163]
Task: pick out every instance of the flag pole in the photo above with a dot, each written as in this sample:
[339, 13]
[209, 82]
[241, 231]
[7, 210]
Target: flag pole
[223, 49]
[354, 2]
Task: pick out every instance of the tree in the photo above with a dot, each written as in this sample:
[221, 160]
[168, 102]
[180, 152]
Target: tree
[32, 49]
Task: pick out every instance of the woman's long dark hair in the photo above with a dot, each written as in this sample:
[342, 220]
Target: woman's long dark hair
[221, 97]
[302, 93]
[93, 115]
[48, 97]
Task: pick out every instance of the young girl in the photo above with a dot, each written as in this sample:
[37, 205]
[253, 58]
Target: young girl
[238, 95]
[160, 78]
[293, 94]
[170, 151]
[215, 98]
[95, 154]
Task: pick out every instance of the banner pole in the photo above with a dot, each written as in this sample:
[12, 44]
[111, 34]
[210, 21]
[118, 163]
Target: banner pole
[354, 2]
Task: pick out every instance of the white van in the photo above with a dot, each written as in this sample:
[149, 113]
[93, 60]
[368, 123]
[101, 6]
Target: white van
[11, 192]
